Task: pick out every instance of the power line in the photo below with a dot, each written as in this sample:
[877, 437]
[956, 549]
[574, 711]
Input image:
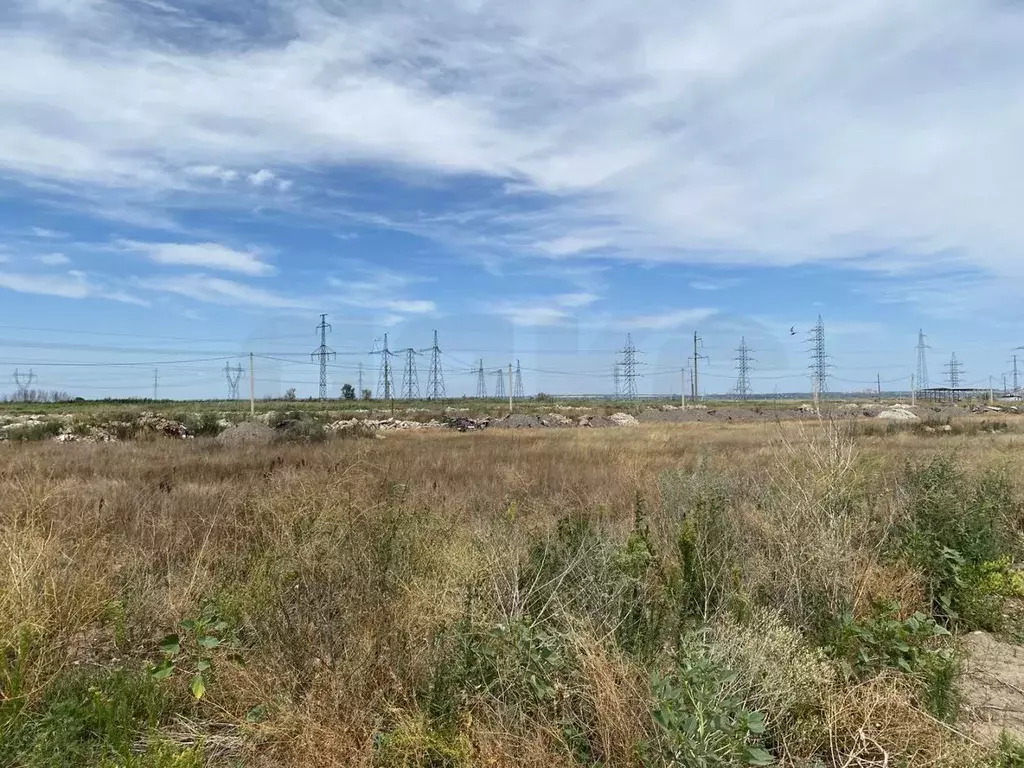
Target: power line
[435, 380]
[323, 353]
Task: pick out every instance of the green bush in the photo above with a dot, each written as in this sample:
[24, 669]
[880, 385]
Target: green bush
[957, 526]
[42, 430]
[699, 724]
[916, 646]
[414, 742]
[86, 717]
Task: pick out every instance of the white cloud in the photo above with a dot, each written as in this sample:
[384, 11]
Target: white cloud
[535, 312]
[72, 284]
[49, 234]
[208, 255]
[261, 177]
[212, 172]
[216, 290]
[380, 289]
[53, 259]
[667, 321]
[284, 186]
[739, 132]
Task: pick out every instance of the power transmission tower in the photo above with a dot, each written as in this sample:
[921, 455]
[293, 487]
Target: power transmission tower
[743, 361]
[156, 384]
[954, 373]
[359, 394]
[435, 381]
[386, 380]
[628, 369]
[517, 391]
[922, 361]
[410, 377]
[1016, 376]
[615, 379]
[323, 353]
[499, 385]
[819, 359]
[481, 382]
[697, 357]
[23, 382]
[233, 376]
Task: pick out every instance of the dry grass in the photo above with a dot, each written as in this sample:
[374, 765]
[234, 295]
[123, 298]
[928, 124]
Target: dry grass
[340, 563]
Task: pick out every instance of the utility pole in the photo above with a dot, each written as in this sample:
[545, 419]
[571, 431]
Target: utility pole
[510, 389]
[252, 385]
[517, 390]
[481, 382]
[954, 372]
[360, 394]
[922, 360]
[743, 361]
[682, 387]
[819, 360]
[879, 386]
[435, 379]
[410, 377]
[323, 353]
[386, 380]
[156, 384]
[499, 384]
[1016, 376]
[991, 396]
[628, 367]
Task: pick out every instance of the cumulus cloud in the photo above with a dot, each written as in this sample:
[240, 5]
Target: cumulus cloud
[208, 255]
[738, 132]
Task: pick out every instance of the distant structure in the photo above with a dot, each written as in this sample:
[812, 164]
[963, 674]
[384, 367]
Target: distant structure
[819, 359]
[323, 353]
[435, 379]
[1016, 376]
[481, 382]
[410, 377]
[233, 376]
[954, 374]
[23, 382]
[615, 381]
[922, 361]
[743, 360]
[499, 384]
[517, 390]
[698, 342]
[386, 380]
[359, 393]
[156, 383]
[628, 369]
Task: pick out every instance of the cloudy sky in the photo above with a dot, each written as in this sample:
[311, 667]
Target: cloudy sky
[183, 182]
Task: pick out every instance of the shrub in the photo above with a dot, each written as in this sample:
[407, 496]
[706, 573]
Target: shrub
[956, 527]
[41, 430]
[414, 742]
[916, 646]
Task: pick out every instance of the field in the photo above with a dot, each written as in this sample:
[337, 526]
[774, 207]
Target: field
[671, 594]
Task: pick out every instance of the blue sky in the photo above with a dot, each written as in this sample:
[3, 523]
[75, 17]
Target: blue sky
[180, 186]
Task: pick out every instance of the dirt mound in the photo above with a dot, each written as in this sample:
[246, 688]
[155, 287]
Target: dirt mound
[993, 686]
[247, 432]
[623, 420]
[518, 421]
[898, 414]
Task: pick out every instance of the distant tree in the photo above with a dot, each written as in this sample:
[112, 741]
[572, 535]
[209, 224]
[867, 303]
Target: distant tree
[367, 394]
[290, 394]
[348, 392]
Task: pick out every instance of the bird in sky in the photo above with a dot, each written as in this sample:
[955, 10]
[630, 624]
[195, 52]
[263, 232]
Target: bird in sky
[792, 330]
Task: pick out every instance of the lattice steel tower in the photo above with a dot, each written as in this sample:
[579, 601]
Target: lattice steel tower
[23, 382]
[922, 361]
[481, 382]
[819, 359]
[628, 369]
[615, 381]
[233, 376]
[743, 361]
[517, 391]
[955, 375]
[499, 384]
[323, 353]
[435, 380]
[410, 377]
[386, 379]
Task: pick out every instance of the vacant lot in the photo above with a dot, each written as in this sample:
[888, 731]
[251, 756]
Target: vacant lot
[668, 594]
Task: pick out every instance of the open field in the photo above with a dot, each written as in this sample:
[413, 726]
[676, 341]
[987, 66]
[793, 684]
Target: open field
[688, 594]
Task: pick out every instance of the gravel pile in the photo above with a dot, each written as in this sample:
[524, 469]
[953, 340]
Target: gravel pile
[247, 432]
